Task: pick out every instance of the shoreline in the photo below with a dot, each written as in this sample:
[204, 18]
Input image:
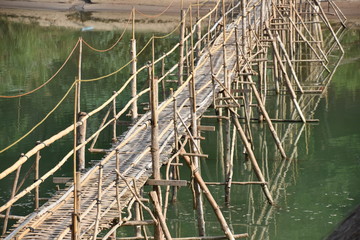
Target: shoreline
[114, 14]
[108, 15]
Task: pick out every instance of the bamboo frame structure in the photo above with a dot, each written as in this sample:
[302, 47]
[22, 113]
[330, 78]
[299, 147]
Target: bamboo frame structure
[227, 68]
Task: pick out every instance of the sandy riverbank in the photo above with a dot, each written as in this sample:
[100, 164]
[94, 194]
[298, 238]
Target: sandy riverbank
[102, 14]
[113, 14]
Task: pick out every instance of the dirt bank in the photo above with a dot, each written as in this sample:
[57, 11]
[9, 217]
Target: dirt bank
[113, 14]
[102, 14]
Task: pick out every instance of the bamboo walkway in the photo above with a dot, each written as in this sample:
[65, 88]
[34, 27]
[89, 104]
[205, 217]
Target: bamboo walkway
[105, 193]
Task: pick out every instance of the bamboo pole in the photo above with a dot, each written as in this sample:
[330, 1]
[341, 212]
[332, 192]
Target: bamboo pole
[75, 231]
[117, 190]
[192, 94]
[288, 60]
[79, 76]
[36, 177]
[155, 153]
[287, 80]
[176, 170]
[81, 136]
[198, 31]
[99, 199]
[159, 214]
[13, 192]
[252, 158]
[134, 108]
[210, 198]
[163, 79]
[137, 211]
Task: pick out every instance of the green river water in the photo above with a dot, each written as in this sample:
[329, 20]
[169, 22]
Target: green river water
[314, 191]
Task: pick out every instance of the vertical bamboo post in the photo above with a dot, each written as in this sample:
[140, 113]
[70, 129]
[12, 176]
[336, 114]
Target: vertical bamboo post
[36, 177]
[192, 94]
[81, 136]
[117, 166]
[210, 198]
[163, 80]
[134, 108]
[13, 192]
[114, 138]
[75, 233]
[244, 11]
[181, 47]
[176, 172]
[155, 153]
[79, 76]
[161, 218]
[98, 202]
[198, 30]
[137, 214]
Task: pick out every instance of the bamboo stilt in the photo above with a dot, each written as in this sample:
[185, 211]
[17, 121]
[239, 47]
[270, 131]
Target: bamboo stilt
[134, 108]
[13, 192]
[155, 153]
[252, 158]
[210, 198]
[36, 177]
[81, 135]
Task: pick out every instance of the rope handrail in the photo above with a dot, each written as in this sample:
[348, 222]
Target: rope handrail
[49, 80]
[69, 129]
[41, 122]
[23, 159]
[117, 41]
[156, 15]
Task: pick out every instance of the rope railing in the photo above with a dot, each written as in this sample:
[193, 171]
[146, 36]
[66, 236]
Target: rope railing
[156, 15]
[128, 137]
[116, 42]
[37, 148]
[49, 80]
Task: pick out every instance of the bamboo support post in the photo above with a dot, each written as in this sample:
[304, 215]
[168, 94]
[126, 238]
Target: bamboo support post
[75, 233]
[159, 214]
[287, 80]
[155, 151]
[13, 192]
[198, 31]
[252, 157]
[181, 48]
[210, 198]
[98, 203]
[192, 94]
[137, 212]
[81, 136]
[36, 177]
[78, 101]
[117, 166]
[176, 170]
[114, 137]
[134, 108]
[163, 80]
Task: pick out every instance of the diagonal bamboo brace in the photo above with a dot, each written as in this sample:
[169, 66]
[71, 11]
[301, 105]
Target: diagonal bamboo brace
[205, 189]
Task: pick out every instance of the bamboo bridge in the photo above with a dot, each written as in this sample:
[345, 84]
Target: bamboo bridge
[229, 59]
